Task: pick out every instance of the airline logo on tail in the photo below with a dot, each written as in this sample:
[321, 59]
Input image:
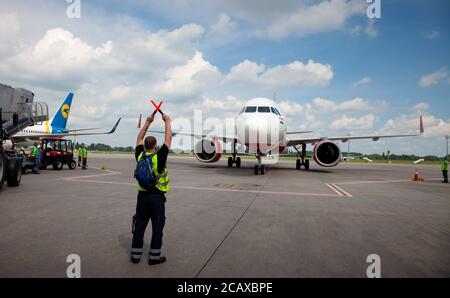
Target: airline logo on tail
[65, 111]
[60, 119]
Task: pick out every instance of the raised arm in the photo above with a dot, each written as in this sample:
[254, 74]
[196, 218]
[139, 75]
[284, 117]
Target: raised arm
[143, 132]
[168, 132]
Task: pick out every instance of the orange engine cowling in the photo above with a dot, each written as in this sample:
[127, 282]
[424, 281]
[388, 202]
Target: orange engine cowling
[208, 150]
[327, 154]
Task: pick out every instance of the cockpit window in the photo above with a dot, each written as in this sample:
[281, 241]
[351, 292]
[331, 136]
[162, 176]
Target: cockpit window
[273, 110]
[263, 109]
[250, 109]
[278, 112]
[242, 111]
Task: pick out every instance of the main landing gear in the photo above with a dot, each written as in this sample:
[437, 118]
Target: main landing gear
[302, 161]
[234, 160]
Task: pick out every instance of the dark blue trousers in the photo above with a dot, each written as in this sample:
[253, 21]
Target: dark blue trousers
[150, 206]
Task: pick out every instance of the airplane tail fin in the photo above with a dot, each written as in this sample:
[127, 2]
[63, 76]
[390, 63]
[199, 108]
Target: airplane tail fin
[61, 116]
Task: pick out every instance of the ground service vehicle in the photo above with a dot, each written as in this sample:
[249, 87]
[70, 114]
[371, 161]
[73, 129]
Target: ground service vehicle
[57, 152]
[17, 111]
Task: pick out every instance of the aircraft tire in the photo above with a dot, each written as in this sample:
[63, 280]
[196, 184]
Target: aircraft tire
[238, 162]
[263, 170]
[307, 165]
[230, 162]
[256, 169]
[298, 164]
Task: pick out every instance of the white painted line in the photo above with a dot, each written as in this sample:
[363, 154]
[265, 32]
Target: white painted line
[109, 173]
[217, 189]
[334, 189]
[341, 190]
[381, 181]
[338, 190]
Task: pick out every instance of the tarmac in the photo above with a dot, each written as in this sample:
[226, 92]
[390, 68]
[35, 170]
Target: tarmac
[224, 222]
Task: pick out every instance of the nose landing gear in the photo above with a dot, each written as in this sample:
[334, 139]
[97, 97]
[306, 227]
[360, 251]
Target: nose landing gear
[234, 160]
[260, 169]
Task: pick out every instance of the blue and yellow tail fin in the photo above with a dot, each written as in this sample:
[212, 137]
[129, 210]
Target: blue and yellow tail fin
[60, 118]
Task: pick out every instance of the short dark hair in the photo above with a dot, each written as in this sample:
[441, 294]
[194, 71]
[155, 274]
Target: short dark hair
[149, 143]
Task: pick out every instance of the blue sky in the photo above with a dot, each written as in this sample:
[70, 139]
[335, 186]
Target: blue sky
[334, 70]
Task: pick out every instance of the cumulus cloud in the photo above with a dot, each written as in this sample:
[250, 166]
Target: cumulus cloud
[191, 78]
[329, 105]
[224, 25]
[421, 106]
[350, 123]
[293, 74]
[58, 56]
[325, 16]
[361, 82]
[434, 126]
[433, 78]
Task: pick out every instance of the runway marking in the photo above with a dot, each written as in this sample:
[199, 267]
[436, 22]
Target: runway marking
[76, 178]
[338, 190]
[214, 189]
[381, 181]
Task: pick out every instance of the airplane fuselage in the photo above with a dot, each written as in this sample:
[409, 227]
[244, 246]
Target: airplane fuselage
[261, 127]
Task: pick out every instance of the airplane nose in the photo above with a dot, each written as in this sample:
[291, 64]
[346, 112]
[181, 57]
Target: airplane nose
[258, 133]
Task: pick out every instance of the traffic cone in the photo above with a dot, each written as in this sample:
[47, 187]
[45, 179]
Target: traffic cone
[417, 177]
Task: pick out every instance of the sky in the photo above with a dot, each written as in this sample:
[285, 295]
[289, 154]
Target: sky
[330, 67]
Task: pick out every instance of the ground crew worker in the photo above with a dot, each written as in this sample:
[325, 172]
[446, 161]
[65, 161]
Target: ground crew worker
[151, 203]
[444, 169]
[35, 158]
[82, 156]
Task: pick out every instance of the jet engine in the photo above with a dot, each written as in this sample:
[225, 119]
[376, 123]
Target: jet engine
[327, 154]
[208, 150]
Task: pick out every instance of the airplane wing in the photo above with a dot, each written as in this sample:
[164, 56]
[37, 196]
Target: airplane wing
[61, 135]
[294, 142]
[298, 132]
[81, 129]
[225, 139]
[92, 133]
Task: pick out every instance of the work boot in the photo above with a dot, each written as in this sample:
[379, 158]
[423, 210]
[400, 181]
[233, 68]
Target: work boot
[156, 262]
[135, 261]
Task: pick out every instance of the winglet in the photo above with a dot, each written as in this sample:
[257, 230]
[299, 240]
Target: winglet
[140, 119]
[421, 126]
[115, 126]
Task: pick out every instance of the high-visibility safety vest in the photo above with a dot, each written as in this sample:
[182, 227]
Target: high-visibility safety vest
[444, 166]
[82, 152]
[34, 151]
[162, 180]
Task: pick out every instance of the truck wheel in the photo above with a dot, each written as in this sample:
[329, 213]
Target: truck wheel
[57, 164]
[2, 171]
[14, 174]
[72, 164]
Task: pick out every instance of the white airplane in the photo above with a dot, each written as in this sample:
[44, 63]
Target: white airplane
[261, 128]
[55, 127]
